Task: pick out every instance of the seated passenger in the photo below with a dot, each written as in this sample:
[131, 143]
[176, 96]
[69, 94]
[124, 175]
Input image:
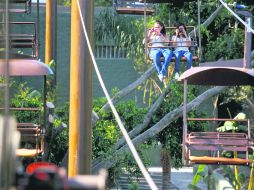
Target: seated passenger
[182, 42]
[156, 36]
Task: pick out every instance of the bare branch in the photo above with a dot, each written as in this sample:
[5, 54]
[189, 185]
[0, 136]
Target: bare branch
[139, 128]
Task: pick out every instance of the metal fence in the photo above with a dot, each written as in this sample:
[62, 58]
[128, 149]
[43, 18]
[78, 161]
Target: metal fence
[110, 52]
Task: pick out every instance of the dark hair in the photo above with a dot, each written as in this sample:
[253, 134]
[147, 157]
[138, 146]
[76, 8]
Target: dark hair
[181, 24]
[163, 30]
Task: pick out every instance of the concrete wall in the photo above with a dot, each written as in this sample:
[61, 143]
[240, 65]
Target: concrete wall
[115, 72]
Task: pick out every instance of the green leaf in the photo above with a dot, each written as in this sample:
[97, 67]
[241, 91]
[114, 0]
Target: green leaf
[193, 187]
[199, 174]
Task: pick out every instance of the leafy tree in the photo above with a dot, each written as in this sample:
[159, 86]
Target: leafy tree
[106, 133]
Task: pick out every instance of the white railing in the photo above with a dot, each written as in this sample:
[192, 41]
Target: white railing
[110, 52]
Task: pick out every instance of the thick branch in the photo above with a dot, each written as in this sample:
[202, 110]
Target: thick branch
[130, 88]
[139, 128]
[162, 124]
[210, 18]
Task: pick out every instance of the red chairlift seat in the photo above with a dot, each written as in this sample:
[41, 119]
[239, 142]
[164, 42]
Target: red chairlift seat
[218, 142]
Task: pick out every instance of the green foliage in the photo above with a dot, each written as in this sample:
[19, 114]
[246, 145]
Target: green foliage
[64, 2]
[106, 133]
[226, 46]
[104, 3]
[50, 82]
[25, 97]
[133, 186]
[171, 136]
[240, 180]
[59, 145]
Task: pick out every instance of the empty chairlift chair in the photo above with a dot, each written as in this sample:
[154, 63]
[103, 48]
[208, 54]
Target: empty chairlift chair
[132, 7]
[31, 131]
[197, 144]
[22, 39]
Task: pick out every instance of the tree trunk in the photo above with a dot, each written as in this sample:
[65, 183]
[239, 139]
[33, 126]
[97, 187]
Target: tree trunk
[166, 168]
[139, 128]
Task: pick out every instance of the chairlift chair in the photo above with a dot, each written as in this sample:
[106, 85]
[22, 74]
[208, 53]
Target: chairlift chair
[132, 7]
[32, 135]
[194, 49]
[26, 64]
[216, 73]
[19, 40]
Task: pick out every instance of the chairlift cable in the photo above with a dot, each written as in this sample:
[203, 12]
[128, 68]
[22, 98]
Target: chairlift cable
[125, 133]
[235, 15]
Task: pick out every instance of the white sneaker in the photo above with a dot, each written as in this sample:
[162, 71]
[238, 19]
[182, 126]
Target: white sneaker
[176, 76]
[160, 76]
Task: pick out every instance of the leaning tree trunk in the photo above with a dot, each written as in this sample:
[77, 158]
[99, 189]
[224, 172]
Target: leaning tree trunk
[166, 168]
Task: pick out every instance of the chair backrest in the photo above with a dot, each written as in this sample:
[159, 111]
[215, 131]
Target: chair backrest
[31, 131]
[20, 41]
[219, 147]
[191, 31]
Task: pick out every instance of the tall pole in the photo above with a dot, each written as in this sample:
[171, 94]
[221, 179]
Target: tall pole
[80, 92]
[74, 89]
[85, 109]
[50, 43]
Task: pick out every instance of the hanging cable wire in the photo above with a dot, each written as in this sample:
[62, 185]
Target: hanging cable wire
[235, 15]
[125, 134]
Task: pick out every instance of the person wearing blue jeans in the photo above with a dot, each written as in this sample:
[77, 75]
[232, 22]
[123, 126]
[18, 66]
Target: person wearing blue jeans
[159, 40]
[162, 67]
[182, 43]
[179, 55]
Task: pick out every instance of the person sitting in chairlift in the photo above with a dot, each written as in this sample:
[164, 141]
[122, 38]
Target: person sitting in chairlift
[158, 39]
[182, 42]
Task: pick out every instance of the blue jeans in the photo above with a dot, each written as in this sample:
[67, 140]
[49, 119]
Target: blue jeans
[155, 55]
[179, 55]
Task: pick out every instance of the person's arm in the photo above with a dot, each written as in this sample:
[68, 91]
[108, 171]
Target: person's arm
[188, 41]
[148, 36]
[174, 41]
